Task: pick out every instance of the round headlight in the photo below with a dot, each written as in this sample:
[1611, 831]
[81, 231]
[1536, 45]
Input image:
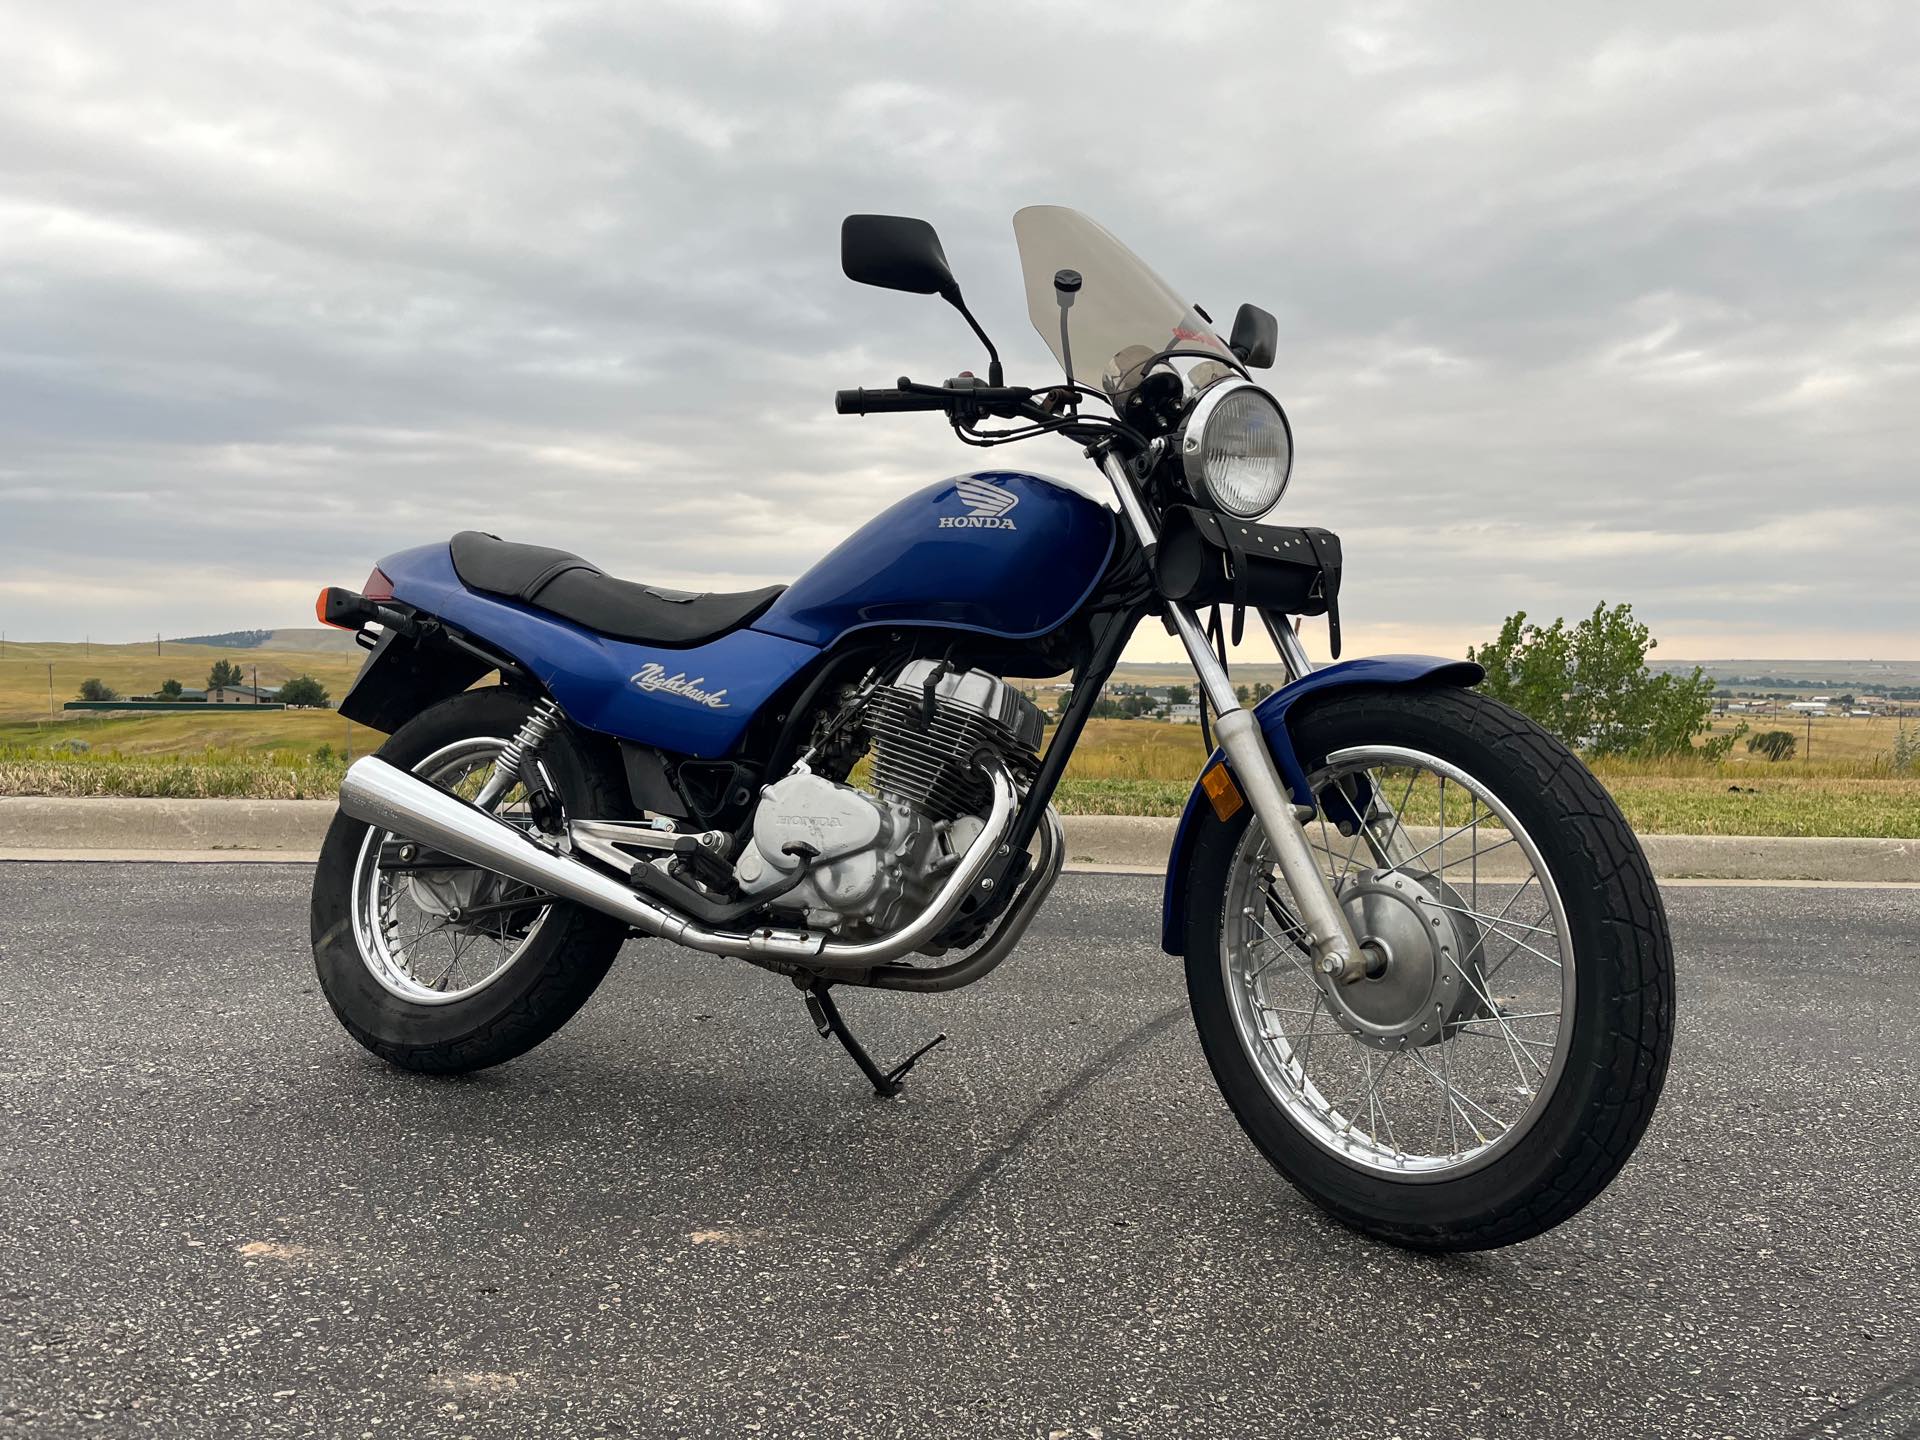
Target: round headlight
[1237, 449]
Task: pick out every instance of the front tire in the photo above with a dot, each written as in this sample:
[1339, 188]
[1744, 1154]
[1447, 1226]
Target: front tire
[404, 995]
[1455, 1101]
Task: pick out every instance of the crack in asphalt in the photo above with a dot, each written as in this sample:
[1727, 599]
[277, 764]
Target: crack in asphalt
[976, 1179]
[1874, 1414]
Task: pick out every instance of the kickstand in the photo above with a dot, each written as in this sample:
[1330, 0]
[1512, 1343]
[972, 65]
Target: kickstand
[827, 1020]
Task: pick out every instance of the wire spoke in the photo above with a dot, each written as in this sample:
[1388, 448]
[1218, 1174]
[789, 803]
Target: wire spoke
[1461, 1100]
[1493, 1009]
[1461, 1028]
[1330, 1056]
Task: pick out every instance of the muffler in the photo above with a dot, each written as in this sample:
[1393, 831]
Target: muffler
[385, 796]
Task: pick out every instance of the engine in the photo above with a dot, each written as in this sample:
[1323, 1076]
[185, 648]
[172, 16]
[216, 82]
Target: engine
[864, 863]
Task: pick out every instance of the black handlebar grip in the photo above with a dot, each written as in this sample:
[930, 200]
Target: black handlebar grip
[881, 402]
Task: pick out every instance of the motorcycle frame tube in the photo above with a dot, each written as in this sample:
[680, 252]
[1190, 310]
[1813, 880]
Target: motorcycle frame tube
[980, 962]
[1329, 935]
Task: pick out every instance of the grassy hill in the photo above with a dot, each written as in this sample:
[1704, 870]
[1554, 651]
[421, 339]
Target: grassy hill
[31, 728]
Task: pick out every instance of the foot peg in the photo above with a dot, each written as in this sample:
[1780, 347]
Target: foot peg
[827, 1020]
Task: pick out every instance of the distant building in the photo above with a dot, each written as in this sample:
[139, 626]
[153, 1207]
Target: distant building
[240, 695]
[1184, 714]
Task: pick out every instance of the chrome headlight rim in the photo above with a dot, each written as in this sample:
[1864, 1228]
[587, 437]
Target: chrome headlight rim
[1193, 445]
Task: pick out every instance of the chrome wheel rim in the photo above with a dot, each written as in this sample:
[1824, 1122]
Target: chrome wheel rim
[1446, 1055]
[408, 925]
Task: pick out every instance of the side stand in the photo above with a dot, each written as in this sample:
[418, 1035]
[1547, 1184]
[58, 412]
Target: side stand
[827, 1020]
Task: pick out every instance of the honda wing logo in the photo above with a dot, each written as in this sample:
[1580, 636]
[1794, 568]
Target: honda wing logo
[987, 506]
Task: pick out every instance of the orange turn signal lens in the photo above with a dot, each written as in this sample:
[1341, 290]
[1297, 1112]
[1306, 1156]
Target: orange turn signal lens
[1222, 792]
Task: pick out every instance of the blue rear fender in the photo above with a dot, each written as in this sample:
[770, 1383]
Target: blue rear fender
[1272, 715]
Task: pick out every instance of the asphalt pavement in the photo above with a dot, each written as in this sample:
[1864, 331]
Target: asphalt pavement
[683, 1215]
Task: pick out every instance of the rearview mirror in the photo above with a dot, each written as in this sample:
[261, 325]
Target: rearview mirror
[895, 253]
[1256, 337]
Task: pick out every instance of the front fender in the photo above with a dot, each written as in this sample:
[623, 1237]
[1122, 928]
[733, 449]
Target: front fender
[1272, 715]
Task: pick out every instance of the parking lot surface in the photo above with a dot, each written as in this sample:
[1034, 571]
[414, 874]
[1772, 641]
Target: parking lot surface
[684, 1216]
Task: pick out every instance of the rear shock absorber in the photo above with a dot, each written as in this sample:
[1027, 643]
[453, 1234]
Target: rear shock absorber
[516, 757]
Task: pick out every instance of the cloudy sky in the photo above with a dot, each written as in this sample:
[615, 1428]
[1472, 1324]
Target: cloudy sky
[1577, 301]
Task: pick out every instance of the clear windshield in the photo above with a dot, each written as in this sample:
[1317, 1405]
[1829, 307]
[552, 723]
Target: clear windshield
[1123, 314]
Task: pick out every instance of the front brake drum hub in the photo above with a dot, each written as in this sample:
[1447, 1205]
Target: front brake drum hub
[1414, 942]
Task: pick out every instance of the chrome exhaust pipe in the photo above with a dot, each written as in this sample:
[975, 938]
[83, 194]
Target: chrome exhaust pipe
[932, 979]
[383, 795]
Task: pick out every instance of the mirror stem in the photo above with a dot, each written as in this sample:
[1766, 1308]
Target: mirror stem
[1066, 285]
[995, 376]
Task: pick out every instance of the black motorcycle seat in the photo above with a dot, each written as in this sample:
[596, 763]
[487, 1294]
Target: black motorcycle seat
[563, 584]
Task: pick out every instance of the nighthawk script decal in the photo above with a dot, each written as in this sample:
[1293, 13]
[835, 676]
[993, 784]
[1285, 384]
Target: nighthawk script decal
[987, 506]
[651, 677]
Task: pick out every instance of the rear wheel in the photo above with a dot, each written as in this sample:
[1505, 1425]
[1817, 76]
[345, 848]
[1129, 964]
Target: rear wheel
[447, 969]
[1502, 1054]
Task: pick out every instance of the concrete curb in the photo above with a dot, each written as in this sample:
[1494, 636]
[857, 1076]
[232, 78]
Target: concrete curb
[291, 830]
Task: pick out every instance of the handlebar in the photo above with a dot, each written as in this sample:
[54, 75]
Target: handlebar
[883, 402]
[968, 398]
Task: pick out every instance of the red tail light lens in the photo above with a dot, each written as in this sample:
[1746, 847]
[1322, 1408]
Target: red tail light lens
[378, 586]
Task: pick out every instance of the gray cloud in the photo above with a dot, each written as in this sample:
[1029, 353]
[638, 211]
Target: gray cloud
[1576, 302]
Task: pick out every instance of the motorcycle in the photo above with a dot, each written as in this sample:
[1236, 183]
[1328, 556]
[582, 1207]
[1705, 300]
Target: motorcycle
[1426, 958]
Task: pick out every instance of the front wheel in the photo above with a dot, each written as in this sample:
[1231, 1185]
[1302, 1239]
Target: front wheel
[1500, 1053]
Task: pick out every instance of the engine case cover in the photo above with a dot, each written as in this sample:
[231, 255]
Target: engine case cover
[866, 850]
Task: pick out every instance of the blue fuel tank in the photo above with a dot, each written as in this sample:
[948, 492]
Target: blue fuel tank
[999, 552]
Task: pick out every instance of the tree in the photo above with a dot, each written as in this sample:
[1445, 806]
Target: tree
[1261, 689]
[1846, 702]
[1243, 694]
[94, 688]
[303, 690]
[1774, 744]
[171, 689]
[224, 672]
[1590, 685]
[1179, 695]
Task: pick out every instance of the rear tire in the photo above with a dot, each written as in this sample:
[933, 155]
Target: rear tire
[548, 977]
[1600, 1097]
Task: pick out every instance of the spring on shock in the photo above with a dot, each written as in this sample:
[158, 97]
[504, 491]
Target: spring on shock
[527, 740]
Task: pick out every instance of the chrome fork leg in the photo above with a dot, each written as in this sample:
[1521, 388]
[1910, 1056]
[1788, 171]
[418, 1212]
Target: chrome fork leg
[1329, 936]
[1335, 951]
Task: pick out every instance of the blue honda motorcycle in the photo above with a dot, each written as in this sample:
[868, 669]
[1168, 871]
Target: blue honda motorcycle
[1427, 961]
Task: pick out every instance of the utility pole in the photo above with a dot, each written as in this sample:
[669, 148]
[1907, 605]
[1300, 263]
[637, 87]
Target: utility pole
[1809, 735]
[50, 688]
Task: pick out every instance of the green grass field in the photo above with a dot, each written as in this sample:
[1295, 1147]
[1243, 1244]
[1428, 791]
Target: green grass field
[1122, 767]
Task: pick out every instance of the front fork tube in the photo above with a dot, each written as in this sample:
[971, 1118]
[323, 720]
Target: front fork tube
[1329, 937]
